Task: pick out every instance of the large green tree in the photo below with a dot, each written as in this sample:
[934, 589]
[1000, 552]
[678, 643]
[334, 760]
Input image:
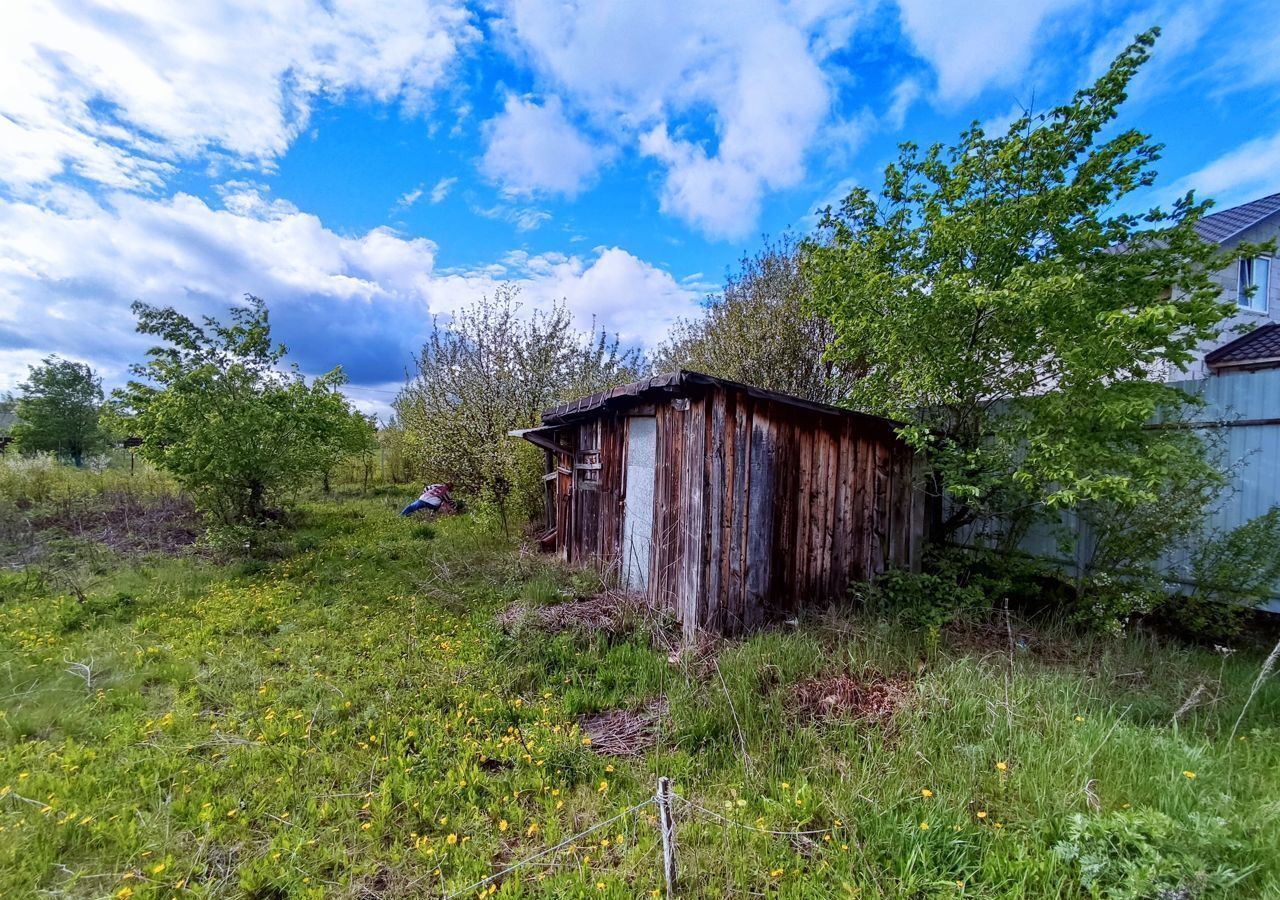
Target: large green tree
[215, 408]
[760, 329]
[998, 297]
[58, 409]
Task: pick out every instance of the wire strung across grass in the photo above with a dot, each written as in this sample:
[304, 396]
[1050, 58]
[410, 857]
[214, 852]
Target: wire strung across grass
[485, 882]
[752, 828]
[689, 804]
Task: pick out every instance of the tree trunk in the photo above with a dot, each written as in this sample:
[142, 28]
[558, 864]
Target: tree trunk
[257, 507]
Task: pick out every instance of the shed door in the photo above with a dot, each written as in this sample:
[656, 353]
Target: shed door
[637, 523]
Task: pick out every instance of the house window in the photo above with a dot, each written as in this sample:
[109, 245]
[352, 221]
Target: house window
[1254, 273]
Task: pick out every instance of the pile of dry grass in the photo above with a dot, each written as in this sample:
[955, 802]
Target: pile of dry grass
[625, 732]
[126, 522]
[840, 696]
[612, 612]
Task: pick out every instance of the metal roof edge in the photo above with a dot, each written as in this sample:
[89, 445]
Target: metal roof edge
[672, 381]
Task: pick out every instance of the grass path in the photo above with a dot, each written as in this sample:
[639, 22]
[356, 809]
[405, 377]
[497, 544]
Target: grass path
[349, 721]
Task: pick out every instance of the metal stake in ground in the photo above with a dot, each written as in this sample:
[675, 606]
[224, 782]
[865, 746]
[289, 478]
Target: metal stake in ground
[668, 825]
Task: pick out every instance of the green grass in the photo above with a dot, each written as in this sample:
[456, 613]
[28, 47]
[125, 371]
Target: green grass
[321, 725]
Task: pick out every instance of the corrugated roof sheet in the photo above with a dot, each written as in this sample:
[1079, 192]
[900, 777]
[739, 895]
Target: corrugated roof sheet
[673, 383]
[1222, 226]
[1262, 345]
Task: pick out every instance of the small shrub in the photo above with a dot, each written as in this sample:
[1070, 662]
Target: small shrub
[923, 600]
[1147, 855]
[1233, 572]
[1200, 618]
[1108, 605]
[261, 542]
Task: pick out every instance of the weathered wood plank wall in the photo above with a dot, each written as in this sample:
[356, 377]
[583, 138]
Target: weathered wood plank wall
[760, 508]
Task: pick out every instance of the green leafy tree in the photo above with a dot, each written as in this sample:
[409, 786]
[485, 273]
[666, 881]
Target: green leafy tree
[215, 409]
[761, 330]
[356, 443]
[490, 370]
[998, 298]
[58, 409]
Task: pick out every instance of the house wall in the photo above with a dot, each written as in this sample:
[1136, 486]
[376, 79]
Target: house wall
[1228, 280]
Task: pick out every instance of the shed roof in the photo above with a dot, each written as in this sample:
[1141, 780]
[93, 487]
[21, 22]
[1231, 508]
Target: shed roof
[672, 383]
[1258, 349]
[1222, 226]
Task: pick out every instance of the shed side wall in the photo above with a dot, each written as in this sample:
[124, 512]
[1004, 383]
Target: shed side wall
[760, 509]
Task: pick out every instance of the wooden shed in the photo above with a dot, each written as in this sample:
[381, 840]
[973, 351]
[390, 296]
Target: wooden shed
[728, 504]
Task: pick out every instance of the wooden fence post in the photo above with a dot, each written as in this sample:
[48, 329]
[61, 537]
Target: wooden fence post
[668, 825]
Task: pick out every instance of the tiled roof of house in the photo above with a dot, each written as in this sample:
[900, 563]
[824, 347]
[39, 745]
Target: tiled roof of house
[1257, 349]
[1222, 226]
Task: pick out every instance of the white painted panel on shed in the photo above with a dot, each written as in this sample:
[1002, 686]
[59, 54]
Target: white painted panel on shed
[637, 522]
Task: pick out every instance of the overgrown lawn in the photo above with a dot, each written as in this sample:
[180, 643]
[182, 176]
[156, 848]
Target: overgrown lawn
[351, 720]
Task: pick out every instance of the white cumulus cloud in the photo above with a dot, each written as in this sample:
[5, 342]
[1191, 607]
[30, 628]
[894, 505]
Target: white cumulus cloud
[974, 45]
[1250, 171]
[119, 93]
[532, 148]
[751, 72]
[69, 271]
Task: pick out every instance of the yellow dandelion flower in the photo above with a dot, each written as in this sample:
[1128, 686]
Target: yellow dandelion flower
[1079, 718]
[158, 868]
[532, 829]
[777, 873]
[366, 826]
[604, 786]
[999, 824]
[586, 742]
[232, 813]
[599, 885]
[982, 814]
[503, 825]
[1190, 775]
[1002, 766]
[124, 893]
[924, 826]
[925, 792]
[451, 839]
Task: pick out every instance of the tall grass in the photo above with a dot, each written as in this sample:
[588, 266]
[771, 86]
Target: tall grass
[27, 481]
[350, 721]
